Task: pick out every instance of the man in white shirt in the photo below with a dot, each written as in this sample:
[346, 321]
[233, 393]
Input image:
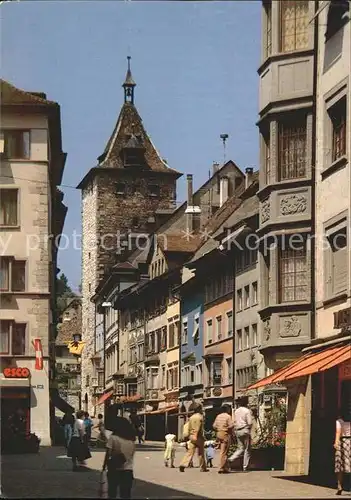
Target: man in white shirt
[243, 424]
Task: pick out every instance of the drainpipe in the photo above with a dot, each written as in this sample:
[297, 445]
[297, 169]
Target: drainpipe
[313, 176]
[104, 343]
[145, 385]
[233, 254]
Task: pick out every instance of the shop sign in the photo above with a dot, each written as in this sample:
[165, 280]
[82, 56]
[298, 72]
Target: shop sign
[16, 372]
[342, 319]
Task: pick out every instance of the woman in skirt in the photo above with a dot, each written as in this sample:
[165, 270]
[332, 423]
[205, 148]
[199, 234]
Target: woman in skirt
[342, 446]
[78, 449]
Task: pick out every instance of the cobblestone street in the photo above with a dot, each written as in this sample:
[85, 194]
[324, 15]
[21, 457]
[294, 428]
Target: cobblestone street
[49, 475]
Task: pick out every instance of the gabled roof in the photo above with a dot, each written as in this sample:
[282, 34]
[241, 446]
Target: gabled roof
[11, 95]
[178, 243]
[231, 213]
[129, 124]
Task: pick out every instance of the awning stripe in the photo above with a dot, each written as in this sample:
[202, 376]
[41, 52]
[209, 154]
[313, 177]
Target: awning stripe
[104, 398]
[307, 365]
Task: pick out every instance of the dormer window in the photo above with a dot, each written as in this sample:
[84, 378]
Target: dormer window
[120, 188]
[133, 152]
[154, 190]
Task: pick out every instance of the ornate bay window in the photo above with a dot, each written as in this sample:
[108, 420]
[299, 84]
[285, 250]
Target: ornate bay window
[294, 19]
[292, 147]
[293, 281]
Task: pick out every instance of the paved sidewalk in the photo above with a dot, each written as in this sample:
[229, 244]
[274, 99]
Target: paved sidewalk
[49, 475]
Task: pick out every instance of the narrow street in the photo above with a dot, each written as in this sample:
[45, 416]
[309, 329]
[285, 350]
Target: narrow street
[49, 475]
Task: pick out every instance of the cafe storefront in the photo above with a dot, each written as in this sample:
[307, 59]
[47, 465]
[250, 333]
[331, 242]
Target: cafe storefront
[25, 399]
[318, 383]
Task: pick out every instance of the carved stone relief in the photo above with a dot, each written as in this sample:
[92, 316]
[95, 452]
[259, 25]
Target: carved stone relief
[291, 327]
[293, 204]
[267, 329]
[265, 211]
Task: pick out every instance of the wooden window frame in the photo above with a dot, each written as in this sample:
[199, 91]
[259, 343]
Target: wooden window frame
[285, 254]
[281, 34]
[338, 118]
[20, 153]
[11, 326]
[10, 265]
[10, 190]
[290, 131]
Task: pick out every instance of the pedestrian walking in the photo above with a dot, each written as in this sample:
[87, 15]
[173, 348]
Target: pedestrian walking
[119, 457]
[342, 445]
[224, 427]
[100, 426]
[68, 422]
[139, 429]
[243, 425]
[170, 440]
[196, 440]
[88, 424]
[210, 453]
[78, 449]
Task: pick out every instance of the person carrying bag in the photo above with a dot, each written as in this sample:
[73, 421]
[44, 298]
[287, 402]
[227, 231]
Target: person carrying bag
[120, 449]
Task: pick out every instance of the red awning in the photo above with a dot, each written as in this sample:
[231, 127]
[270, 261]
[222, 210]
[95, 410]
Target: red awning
[104, 398]
[307, 365]
[166, 409]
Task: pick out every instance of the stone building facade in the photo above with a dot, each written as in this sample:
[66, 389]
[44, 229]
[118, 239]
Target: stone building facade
[31, 220]
[304, 207]
[67, 364]
[127, 194]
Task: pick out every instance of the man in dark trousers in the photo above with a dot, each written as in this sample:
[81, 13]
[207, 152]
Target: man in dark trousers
[139, 429]
[68, 422]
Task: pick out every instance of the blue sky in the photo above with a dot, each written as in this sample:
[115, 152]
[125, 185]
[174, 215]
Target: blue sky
[194, 64]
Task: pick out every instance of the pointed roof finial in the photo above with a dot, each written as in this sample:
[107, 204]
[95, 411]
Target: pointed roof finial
[129, 85]
[129, 82]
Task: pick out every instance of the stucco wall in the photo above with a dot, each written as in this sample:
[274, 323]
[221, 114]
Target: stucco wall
[332, 189]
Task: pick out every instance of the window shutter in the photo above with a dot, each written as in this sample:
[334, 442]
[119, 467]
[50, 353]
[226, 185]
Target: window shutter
[340, 277]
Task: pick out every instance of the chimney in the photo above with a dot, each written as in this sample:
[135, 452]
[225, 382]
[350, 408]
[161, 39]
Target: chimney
[248, 176]
[223, 190]
[190, 215]
[189, 179]
[215, 167]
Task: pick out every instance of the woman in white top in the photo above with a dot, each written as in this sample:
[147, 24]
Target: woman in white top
[119, 456]
[78, 449]
[342, 446]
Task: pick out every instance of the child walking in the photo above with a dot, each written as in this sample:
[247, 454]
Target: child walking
[210, 453]
[170, 449]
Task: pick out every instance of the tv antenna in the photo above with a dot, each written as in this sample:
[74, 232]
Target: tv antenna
[224, 137]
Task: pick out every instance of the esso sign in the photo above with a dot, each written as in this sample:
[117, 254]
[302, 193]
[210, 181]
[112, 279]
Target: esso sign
[16, 372]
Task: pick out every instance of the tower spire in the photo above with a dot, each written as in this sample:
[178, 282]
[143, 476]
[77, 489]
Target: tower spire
[129, 85]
